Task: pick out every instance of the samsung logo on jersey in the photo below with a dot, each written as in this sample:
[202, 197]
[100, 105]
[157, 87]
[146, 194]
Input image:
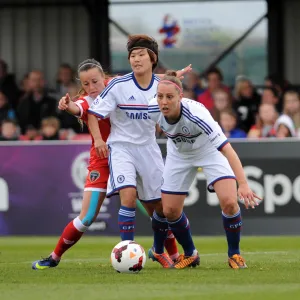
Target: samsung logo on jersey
[137, 116]
[182, 139]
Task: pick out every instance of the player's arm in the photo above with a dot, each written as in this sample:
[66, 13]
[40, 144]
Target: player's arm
[219, 140]
[179, 73]
[103, 105]
[244, 191]
[65, 103]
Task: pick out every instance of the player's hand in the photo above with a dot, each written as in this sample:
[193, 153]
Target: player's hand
[101, 148]
[180, 73]
[246, 195]
[63, 103]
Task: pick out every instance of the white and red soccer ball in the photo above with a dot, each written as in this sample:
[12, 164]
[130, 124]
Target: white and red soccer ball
[128, 257]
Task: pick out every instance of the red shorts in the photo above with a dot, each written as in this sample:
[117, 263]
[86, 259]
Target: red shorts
[97, 178]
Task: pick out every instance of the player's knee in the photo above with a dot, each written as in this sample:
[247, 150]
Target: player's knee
[171, 213]
[128, 197]
[159, 209]
[229, 206]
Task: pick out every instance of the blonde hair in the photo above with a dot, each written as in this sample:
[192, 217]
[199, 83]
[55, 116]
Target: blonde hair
[239, 86]
[171, 76]
[51, 121]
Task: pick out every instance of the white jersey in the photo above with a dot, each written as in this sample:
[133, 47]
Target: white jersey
[195, 132]
[126, 104]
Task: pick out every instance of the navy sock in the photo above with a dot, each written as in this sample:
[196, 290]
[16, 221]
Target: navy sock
[182, 233]
[232, 226]
[126, 222]
[160, 229]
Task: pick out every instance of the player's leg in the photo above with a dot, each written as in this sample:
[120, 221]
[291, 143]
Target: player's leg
[226, 190]
[149, 164]
[170, 241]
[91, 204]
[93, 197]
[178, 177]
[122, 179]
[222, 181]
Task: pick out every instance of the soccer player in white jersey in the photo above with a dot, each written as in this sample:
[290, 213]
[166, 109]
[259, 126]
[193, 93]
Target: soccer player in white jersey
[135, 159]
[196, 140]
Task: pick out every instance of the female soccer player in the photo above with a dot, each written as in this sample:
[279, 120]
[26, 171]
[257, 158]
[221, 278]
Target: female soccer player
[196, 140]
[135, 160]
[93, 81]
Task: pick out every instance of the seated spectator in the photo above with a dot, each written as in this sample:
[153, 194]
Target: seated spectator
[228, 122]
[270, 96]
[284, 127]
[50, 129]
[6, 112]
[214, 82]
[291, 108]
[278, 83]
[37, 105]
[222, 101]
[246, 103]
[8, 85]
[9, 131]
[264, 126]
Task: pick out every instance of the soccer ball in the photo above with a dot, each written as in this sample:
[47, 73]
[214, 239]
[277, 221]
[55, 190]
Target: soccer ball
[128, 257]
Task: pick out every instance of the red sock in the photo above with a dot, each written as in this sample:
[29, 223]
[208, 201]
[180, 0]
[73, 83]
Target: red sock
[69, 238]
[171, 246]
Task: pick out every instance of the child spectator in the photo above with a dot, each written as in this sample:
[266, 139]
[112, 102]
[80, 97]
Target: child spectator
[50, 129]
[9, 131]
[228, 122]
[264, 126]
[222, 101]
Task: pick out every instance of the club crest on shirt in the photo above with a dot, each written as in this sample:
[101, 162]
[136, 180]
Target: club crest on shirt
[185, 130]
[121, 178]
[94, 175]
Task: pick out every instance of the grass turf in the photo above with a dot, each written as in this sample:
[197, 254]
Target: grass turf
[85, 272]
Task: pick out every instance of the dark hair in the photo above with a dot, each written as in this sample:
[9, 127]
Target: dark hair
[9, 121]
[230, 112]
[214, 70]
[144, 41]
[171, 75]
[273, 91]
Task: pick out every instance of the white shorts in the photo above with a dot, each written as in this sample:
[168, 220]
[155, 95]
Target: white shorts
[138, 166]
[180, 172]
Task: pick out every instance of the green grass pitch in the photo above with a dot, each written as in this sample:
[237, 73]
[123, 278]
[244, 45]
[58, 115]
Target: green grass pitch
[85, 272]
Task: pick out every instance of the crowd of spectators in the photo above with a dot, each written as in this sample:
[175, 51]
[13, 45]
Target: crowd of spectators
[28, 110]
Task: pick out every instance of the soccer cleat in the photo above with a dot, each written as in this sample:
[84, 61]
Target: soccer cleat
[187, 261]
[164, 259]
[237, 262]
[45, 263]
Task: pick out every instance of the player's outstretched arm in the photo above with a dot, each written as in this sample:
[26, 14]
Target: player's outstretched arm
[180, 73]
[99, 144]
[244, 191]
[65, 103]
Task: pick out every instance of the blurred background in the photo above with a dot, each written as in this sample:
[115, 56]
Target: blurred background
[245, 58]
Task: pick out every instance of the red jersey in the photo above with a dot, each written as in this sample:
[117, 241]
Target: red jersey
[104, 124]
